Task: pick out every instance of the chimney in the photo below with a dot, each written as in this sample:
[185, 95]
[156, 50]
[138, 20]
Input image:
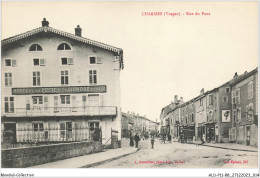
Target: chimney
[235, 76]
[202, 91]
[175, 98]
[181, 99]
[78, 31]
[45, 23]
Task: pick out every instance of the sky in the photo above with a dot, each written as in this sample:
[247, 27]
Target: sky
[163, 55]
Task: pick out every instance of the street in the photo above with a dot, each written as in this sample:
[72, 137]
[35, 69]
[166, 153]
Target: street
[178, 155]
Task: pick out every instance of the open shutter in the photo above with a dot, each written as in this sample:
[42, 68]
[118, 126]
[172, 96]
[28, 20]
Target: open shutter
[74, 103]
[233, 97]
[42, 62]
[70, 61]
[45, 100]
[99, 60]
[14, 63]
[56, 104]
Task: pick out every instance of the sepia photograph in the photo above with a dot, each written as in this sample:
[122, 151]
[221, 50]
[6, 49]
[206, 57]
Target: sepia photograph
[153, 88]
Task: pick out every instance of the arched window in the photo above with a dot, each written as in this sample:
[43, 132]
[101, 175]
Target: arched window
[64, 46]
[35, 47]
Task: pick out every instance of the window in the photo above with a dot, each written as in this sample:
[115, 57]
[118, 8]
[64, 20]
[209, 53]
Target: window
[38, 62]
[65, 77]
[10, 63]
[186, 119]
[64, 46]
[92, 60]
[65, 99]
[93, 100]
[238, 114]
[9, 104]
[35, 47]
[210, 116]
[192, 118]
[65, 130]
[92, 77]
[233, 97]
[201, 102]
[210, 99]
[37, 102]
[66, 61]
[234, 116]
[225, 99]
[38, 127]
[36, 78]
[237, 100]
[8, 79]
[227, 89]
[93, 126]
[250, 90]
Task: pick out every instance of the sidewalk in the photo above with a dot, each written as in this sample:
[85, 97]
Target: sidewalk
[232, 146]
[229, 146]
[90, 160]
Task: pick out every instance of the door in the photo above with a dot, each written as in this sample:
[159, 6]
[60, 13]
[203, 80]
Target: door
[248, 135]
[10, 132]
[37, 102]
[66, 131]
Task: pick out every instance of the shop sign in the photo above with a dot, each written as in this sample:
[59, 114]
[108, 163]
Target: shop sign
[59, 90]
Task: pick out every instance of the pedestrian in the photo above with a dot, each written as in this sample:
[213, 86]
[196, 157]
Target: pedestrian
[164, 138]
[152, 141]
[137, 139]
[170, 138]
[131, 140]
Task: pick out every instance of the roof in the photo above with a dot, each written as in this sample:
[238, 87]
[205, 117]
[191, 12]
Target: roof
[45, 29]
[243, 76]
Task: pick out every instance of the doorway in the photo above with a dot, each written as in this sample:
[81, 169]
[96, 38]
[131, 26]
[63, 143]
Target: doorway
[10, 132]
[247, 135]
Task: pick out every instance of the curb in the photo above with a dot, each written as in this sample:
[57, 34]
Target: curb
[229, 148]
[108, 160]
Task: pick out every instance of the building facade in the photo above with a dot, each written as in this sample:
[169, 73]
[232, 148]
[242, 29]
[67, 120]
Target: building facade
[228, 113]
[57, 83]
[244, 90]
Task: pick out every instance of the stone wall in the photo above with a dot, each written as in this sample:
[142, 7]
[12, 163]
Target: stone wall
[31, 156]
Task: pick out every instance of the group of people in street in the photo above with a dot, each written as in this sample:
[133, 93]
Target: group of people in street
[136, 139]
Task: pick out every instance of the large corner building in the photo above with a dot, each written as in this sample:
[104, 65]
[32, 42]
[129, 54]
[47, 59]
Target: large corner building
[55, 85]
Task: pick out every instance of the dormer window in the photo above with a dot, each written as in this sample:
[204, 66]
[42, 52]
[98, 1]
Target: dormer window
[35, 47]
[64, 46]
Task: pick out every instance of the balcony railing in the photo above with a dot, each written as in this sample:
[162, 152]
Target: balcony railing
[62, 111]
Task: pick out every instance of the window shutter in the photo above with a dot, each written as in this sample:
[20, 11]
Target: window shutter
[70, 61]
[42, 62]
[238, 96]
[14, 63]
[233, 97]
[27, 106]
[99, 60]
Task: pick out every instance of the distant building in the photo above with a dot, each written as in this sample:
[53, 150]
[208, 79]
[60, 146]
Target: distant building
[133, 123]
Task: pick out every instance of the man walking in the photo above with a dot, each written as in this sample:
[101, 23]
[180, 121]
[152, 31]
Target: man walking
[137, 138]
[152, 141]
